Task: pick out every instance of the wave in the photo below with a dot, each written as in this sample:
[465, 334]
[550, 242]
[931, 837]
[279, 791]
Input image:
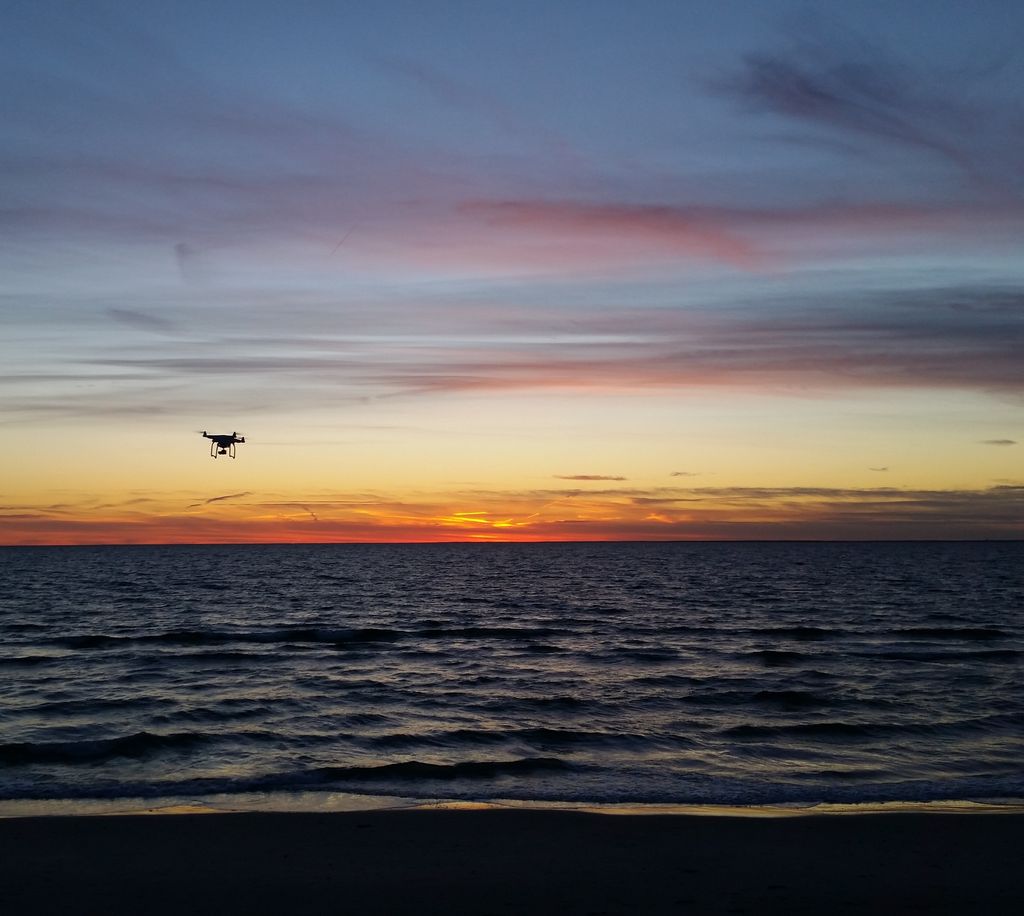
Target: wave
[140, 744]
[803, 634]
[460, 737]
[788, 699]
[805, 729]
[839, 773]
[541, 738]
[555, 701]
[524, 633]
[573, 739]
[86, 706]
[416, 770]
[220, 637]
[224, 712]
[980, 633]
[337, 637]
[650, 656]
[952, 655]
[784, 699]
[222, 655]
[370, 778]
[89, 641]
[774, 658]
[27, 661]
[996, 724]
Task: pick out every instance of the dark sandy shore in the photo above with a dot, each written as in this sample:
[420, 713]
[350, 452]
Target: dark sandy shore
[514, 861]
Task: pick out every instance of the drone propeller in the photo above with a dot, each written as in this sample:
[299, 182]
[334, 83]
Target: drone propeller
[234, 435]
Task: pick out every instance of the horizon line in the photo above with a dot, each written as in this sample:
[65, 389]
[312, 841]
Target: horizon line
[937, 540]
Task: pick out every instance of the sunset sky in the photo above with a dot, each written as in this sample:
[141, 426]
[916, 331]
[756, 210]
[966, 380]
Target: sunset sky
[511, 270]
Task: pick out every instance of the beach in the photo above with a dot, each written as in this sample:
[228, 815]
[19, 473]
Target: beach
[497, 861]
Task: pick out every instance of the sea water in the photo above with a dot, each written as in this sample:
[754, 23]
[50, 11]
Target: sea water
[669, 673]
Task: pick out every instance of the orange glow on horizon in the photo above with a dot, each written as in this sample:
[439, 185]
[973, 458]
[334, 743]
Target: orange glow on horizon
[623, 514]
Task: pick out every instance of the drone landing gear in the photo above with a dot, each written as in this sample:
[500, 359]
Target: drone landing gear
[216, 450]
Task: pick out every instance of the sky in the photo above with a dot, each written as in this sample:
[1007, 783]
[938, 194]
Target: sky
[715, 269]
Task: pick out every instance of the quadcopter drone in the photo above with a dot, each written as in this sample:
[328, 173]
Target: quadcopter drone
[222, 445]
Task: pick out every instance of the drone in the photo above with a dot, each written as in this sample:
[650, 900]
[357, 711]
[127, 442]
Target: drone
[222, 445]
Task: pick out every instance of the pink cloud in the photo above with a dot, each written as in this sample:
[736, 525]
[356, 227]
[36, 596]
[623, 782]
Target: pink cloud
[748, 238]
[633, 230]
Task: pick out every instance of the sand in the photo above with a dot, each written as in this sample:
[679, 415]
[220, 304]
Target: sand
[511, 861]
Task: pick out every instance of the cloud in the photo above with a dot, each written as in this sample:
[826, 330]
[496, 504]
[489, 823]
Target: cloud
[265, 188]
[878, 469]
[956, 337]
[142, 321]
[630, 513]
[680, 231]
[567, 235]
[845, 85]
[587, 477]
[273, 184]
[217, 499]
[685, 474]
[999, 442]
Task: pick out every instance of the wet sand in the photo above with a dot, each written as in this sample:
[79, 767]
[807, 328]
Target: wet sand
[511, 861]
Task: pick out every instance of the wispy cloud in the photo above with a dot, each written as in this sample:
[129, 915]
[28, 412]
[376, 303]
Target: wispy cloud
[142, 321]
[301, 506]
[999, 442]
[840, 82]
[587, 477]
[218, 499]
[967, 338]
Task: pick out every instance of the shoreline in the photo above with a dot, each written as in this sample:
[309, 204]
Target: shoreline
[499, 862]
[348, 803]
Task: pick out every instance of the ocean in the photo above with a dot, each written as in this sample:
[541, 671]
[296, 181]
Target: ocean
[612, 673]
